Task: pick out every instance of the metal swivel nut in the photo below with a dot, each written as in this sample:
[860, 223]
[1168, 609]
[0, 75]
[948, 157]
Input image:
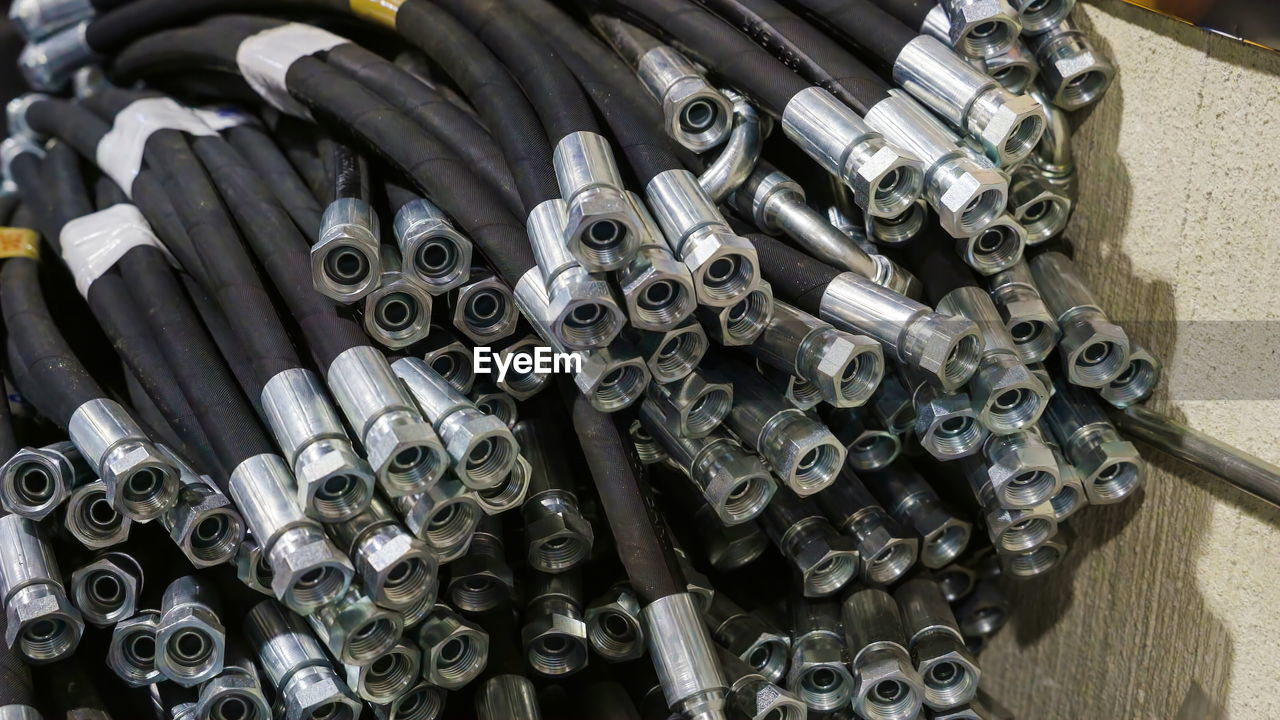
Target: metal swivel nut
[761, 646]
[297, 667]
[819, 673]
[36, 481]
[190, 638]
[887, 551]
[888, 687]
[949, 673]
[396, 569]
[41, 624]
[454, 650]
[481, 580]
[106, 589]
[356, 630]
[1094, 350]
[204, 523]
[554, 635]
[826, 560]
[615, 628]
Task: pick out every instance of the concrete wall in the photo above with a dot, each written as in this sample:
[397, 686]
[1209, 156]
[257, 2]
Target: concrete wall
[1170, 604]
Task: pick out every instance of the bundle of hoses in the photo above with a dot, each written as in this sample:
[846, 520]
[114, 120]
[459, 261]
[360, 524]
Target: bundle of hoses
[284, 296]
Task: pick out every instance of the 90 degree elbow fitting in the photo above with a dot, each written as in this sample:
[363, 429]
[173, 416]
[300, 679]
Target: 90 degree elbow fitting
[41, 624]
[296, 666]
[1094, 350]
[1109, 466]
[204, 524]
[885, 179]
[887, 552]
[685, 658]
[395, 568]
[47, 64]
[696, 115]
[761, 646]
[483, 308]
[888, 687]
[914, 504]
[755, 697]
[974, 28]
[191, 641]
[819, 672]
[825, 559]
[554, 634]
[334, 483]
[740, 154]
[1033, 329]
[355, 630]
[948, 671]
[657, 288]
[600, 225]
[346, 264]
[37, 19]
[36, 481]
[846, 368]
[397, 312]
[140, 481]
[1073, 72]
[307, 570]
[432, 249]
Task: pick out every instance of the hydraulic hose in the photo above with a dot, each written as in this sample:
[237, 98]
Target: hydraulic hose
[290, 190]
[865, 23]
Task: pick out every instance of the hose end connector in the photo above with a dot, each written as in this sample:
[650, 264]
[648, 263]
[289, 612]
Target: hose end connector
[978, 28]
[684, 658]
[601, 228]
[141, 482]
[345, 262]
[47, 64]
[697, 116]
[432, 248]
[1073, 72]
[36, 481]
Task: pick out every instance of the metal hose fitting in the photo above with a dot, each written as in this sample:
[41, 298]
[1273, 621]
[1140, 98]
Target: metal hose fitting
[346, 264]
[950, 674]
[685, 658]
[741, 323]
[819, 672]
[729, 548]
[1020, 531]
[481, 580]
[305, 684]
[204, 524]
[355, 629]
[554, 635]
[235, 693]
[753, 696]
[673, 354]
[914, 504]
[1053, 157]
[974, 28]
[1015, 69]
[955, 582]
[615, 629]
[801, 451]
[433, 250]
[846, 368]
[36, 481]
[946, 424]
[600, 226]
[723, 265]
[450, 359]
[41, 624]
[397, 312]
[509, 493]
[887, 687]
[1094, 350]
[1073, 72]
[454, 650]
[1039, 205]
[333, 482]
[106, 589]
[47, 64]
[37, 19]
[692, 407]
[444, 517]
[1018, 471]
[1033, 329]
[387, 676]
[396, 569]
[307, 570]
[406, 454]
[656, 287]
[131, 653]
[559, 538]
[1071, 497]
[892, 408]
[252, 568]
[868, 446]
[695, 582]
[482, 448]
[507, 697]
[140, 481]
[887, 551]
[825, 559]
[1136, 382]
[740, 154]
[885, 179]
[797, 391]
[1038, 16]
[696, 115]
[897, 230]
[190, 638]
[483, 308]
[734, 482]
[423, 701]
[519, 356]
[648, 450]
[997, 247]
[983, 612]
[494, 401]
[760, 645]
[1109, 466]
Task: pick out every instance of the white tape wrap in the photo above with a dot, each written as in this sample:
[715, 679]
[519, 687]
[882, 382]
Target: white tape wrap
[222, 117]
[119, 152]
[264, 59]
[93, 243]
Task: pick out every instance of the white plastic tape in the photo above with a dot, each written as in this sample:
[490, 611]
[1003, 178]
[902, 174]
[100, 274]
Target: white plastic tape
[264, 59]
[92, 244]
[222, 117]
[119, 152]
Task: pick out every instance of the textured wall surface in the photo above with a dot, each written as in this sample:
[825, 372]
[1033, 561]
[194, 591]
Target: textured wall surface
[1169, 606]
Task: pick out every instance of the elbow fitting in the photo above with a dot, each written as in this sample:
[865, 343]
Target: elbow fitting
[554, 635]
[581, 312]
[888, 687]
[600, 226]
[433, 251]
[825, 559]
[685, 658]
[423, 701]
[1136, 382]
[307, 570]
[696, 115]
[395, 568]
[974, 28]
[671, 355]
[845, 368]
[191, 641]
[949, 673]
[656, 287]
[140, 481]
[355, 630]
[38, 19]
[1015, 69]
[36, 481]
[691, 407]
[445, 516]
[454, 650]
[914, 504]
[305, 683]
[507, 697]
[388, 676]
[92, 519]
[615, 628]
[396, 313]
[1094, 350]
[999, 246]
[886, 551]
[1038, 205]
[1020, 471]
[346, 262]
[819, 673]
[403, 449]
[106, 589]
[1109, 466]
[484, 309]
[450, 359]
[47, 64]
[205, 524]
[1030, 325]
[481, 580]
[741, 323]
[740, 154]
[885, 180]
[867, 445]
[236, 692]
[41, 624]
[761, 646]
[754, 697]
[334, 483]
[1073, 72]
[509, 493]
[131, 654]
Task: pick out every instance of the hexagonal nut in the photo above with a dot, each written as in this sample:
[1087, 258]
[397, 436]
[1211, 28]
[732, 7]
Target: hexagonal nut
[454, 651]
[131, 653]
[943, 536]
[184, 620]
[982, 27]
[886, 679]
[1020, 530]
[298, 566]
[206, 526]
[872, 450]
[509, 493]
[964, 712]
[387, 676]
[737, 485]
[1071, 497]
[92, 520]
[555, 644]
[384, 575]
[803, 454]
[673, 354]
[387, 443]
[252, 567]
[558, 540]
[346, 266]
[452, 361]
[492, 401]
[581, 312]
[697, 115]
[826, 564]
[334, 483]
[657, 290]
[996, 248]
[356, 630]
[1136, 382]
[886, 552]
[695, 405]
[230, 690]
[444, 517]
[318, 692]
[946, 424]
[615, 627]
[612, 378]
[586, 211]
[724, 267]
[949, 674]
[482, 448]
[1041, 208]
[35, 481]
[438, 255]
[766, 701]
[106, 590]
[973, 199]
[696, 583]
[742, 322]
[730, 548]
[1073, 72]
[520, 385]
[1012, 128]
[765, 652]
[1006, 395]
[42, 626]
[1034, 563]
[944, 348]
[397, 313]
[478, 581]
[485, 311]
[884, 180]
[1032, 327]
[808, 661]
[1094, 351]
[141, 481]
[1111, 471]
[893, 407]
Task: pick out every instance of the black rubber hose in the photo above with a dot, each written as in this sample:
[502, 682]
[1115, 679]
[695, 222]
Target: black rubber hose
[910, 12]
[70, 692]
[862, 23]
[795, 277]
[348, 171]
[15, 677]
[934, 261]
[290, 190]
[10, 216]
[628, 41]
[638, 532]
[109, 33]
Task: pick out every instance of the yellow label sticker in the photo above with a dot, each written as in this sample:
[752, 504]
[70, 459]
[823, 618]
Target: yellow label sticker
[19, 242]
[382, 12]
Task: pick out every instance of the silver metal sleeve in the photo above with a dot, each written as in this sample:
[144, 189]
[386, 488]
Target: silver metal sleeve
[40, 622]
[37, 19]
[47, 64]
[685, 658]
[601, 230]
[507, 697]
[696, 115]
[283, 645]
[345, 260]
[122, 455]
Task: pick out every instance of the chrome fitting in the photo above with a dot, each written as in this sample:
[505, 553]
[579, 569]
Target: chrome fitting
[106, 589]
[846, 368]
[507, 697]
[404, 450]
[946, 426]
[444, 517]
[454, 650]
[37, 19]
[1073, 72]
[615, 628]
[999, 246]
[1005, 394]
[1038, 16]
[509, 493]
[484, 309]
[759, 644]
[558, 536]
[494, 401]
[968, 195]
[1019, 472]
[723, 265]
[648, 450]
[697, 584]
[423, 701]
[251, 567]
[740, 154]
[891, 406]
[949, 673]
[693, 406]
[204, 524]
[581, 312]
[482, 448]
[1053, 157]
[131, 653]
[36, 481]
[697, 115]
[388, 676]
[19, 712]
[305, 683]
[1109, 466]
[600, 228]
[47, 64]
[884, 179]
[975, 28]
[140, 481]
[672, 355]
[450, 359]
[519, 357]
[397, 312]
[1094, 350]
[819, 672]
[334, 483]
[868, 446]
[1071, 497]
[886, 550]
[800, 450]
[946, 348]
[191, 641]
[914, 504]
[1034, 563]
[897, 230]
[307, 570]
[396, 569]
[1136, 382]
[1040, 206]
[1020, 531]
[729, 548]
[1030, 325]
[797, 391]
[955, 582]
[235, 693]
[656, 287]
[734, 482]
[983, 612]
[741, 323]
[554, 635]
[684, 658]
[356, 630]
[754, 697]
[432, 250]
[825, 559]
[41, 624]
[1015, 69]
[346, 263]
[1005, 124]
[481, 580]
[887, 685]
